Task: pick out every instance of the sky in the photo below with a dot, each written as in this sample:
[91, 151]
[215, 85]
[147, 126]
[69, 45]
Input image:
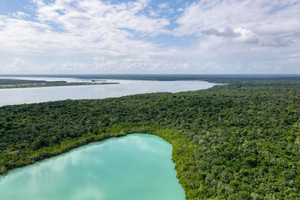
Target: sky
[150, 36]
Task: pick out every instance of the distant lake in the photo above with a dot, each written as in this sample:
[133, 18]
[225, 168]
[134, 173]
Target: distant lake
[134, 167]
[126, 87]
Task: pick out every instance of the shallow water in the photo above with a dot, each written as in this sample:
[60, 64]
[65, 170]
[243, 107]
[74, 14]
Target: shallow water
[134, 167]
[126, 87]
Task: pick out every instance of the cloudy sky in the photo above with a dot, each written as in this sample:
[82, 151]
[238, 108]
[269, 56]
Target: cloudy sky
[150, 36]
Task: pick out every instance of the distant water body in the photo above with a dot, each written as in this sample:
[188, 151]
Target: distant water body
[125, 87]
[134, 167]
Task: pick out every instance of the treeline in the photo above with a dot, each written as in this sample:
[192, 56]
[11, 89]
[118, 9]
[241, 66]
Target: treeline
[235, 141]
[16, 83]
[19, 82]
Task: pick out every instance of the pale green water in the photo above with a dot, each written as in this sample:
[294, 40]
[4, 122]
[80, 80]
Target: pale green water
[134, 167]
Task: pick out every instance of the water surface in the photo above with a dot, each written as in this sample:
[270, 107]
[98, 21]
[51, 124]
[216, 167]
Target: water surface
[134, 167]
[126, 87]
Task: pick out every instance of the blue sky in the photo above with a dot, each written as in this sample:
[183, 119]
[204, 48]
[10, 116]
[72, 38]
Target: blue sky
[150, 36]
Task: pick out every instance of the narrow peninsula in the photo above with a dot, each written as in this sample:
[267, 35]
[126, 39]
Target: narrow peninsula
[18, 83]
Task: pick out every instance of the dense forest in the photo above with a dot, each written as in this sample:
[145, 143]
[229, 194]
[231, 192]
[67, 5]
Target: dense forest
[234, 141]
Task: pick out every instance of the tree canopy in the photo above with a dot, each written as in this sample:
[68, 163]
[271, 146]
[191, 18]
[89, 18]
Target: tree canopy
[235, 141]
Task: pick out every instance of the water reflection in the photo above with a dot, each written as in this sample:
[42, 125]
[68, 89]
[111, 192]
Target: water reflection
[134, 167]
[126, 87]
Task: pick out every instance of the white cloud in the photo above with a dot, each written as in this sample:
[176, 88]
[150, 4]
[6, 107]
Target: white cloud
[20, 15]
[86, 25]
[17, 64]
[262, 22]
[163, 5]
[229, 36]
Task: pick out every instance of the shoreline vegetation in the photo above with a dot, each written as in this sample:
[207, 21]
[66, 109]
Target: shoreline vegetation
[18, 83]
[235, 141]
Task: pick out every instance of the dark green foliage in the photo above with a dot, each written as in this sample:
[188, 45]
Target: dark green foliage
[236, 141]
[16, 83]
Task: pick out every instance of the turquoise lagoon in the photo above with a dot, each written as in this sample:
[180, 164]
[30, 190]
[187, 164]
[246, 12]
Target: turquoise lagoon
[133, 167]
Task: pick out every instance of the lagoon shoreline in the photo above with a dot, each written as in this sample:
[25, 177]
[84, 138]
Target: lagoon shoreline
[205, 128]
